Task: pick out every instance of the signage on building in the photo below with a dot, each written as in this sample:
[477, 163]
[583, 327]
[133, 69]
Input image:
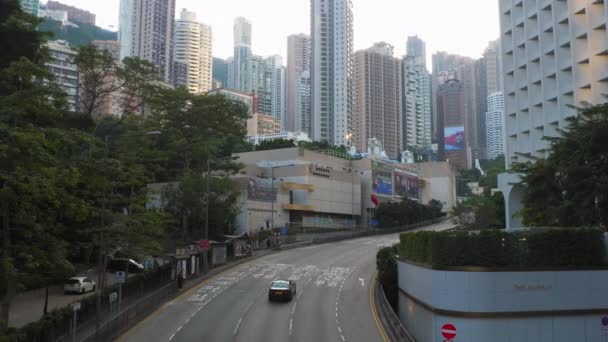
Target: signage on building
[448, 331]
[406, 184]
[382, 178]
[318, 170]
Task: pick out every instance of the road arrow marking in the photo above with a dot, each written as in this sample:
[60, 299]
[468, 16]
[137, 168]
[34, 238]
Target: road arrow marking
[362, 282]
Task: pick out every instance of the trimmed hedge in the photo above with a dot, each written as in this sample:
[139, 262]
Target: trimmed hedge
[497, 248]
[386, 264]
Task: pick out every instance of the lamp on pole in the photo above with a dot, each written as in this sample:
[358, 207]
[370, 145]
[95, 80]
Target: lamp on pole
[273, 167]
[101, 264]
[349, 138]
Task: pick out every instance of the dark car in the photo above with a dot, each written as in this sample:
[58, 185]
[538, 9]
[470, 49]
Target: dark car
[282, 290]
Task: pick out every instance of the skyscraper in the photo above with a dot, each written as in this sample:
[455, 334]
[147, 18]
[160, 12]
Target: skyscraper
[298, 62]
[491, 57]
[30, 6]
[303, 104]
[331, 69]
[112, 46]
[147, 31]
[220, 72]
[452, 124]
[193, 48]
[242, 55]
[495, 126]
[417, 107]
[65, 71]
[377, 99]
[444, 64]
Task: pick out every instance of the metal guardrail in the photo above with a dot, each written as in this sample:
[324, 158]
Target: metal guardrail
[389, 318]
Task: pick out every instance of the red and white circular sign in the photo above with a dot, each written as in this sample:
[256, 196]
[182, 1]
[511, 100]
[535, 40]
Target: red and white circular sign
[448, 331]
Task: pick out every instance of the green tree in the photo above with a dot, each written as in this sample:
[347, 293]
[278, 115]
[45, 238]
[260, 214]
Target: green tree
[569, 188]
[479, 212]
[97, 77]
[276, 144]
[406, 212]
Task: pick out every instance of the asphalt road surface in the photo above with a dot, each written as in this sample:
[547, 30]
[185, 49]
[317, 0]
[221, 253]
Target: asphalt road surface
[332, 302]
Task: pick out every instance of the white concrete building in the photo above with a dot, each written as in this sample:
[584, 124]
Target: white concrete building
[332, 67]
[192, 47]
[57, 15]
[555, 57]
[495, 125]
[65, 71]
[297, 137]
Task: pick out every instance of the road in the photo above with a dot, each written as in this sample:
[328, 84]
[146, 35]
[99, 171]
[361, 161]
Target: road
[332, 302]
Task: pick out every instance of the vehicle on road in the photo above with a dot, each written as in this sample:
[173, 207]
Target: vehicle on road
[80, 285]
[282, 290]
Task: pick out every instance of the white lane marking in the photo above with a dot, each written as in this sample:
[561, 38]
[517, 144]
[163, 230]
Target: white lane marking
[171, 337]
[293, 309]
[290, 325]
[362, 282]
[238, 325]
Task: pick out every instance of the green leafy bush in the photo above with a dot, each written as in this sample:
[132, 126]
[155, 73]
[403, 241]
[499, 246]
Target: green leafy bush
[496, 248]
[386, 264]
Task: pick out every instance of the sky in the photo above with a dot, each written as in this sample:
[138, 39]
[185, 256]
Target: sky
[457, 26]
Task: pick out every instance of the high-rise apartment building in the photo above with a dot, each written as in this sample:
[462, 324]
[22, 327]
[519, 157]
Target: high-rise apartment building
[554, 58]
[494, 125]
[220, 72]
[417, 108]
[242, 68]
[268, 82]
[65, 71]
[377, 99]
[147, 31]
[298, 63]
[444, 68]
[30, 6]
[74, 13]
[279, 89]
[491, 57]
[331, 69]
[452, 124]
[303, 114]
[230, 83]
[193, 48]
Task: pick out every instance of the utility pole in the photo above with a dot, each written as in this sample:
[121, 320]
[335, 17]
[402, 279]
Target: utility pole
[205, 261]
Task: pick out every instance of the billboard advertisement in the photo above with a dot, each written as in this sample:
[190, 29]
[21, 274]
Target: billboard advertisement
[382, 178]
[454, 138]
[260, 189]
[406, 184]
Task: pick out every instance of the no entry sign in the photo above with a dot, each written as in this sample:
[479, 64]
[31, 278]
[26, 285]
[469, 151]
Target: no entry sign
[448, 331]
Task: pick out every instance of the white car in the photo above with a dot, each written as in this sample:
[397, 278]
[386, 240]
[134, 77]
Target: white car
[79, 285]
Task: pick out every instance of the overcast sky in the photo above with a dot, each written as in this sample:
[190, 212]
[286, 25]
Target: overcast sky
[457, 26]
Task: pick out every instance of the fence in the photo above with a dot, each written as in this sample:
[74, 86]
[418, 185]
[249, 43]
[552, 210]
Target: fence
[389, 319]
[129, 317]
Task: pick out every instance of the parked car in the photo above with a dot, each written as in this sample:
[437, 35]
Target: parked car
[124, 265]
[282, 290]
[79, 285]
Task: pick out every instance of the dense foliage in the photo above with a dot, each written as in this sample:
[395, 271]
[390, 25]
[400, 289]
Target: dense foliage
[406, 212]
[570, 187]
[83, 35]
[480, 212]
[386, 265]
[73, 186]
[496, 248]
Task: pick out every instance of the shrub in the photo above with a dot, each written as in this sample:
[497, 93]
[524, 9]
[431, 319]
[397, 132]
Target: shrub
[386, 264]
[496, 248]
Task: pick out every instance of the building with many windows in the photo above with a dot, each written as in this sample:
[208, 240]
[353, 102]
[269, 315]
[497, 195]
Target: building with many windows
[74, 13]
[146, 31]
[192, 47]
[242, 69]
[495, 125]
[554, 55]
[331, 69]
[65, 71]
[417, 108]
[452, 124]
[303, 110]
[377, 94]
[112, 46]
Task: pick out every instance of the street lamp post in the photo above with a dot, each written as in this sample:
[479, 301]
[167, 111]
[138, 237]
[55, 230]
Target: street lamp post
[101, 263]
[205, 261]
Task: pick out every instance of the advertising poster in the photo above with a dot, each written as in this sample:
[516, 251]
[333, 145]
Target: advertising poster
[406, 184]
[382, 179]
[260, 189]
[454, 138]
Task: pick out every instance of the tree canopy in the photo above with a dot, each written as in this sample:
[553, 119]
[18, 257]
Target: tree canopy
[569, 188]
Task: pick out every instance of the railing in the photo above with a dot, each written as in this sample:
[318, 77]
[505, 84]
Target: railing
[389, 318]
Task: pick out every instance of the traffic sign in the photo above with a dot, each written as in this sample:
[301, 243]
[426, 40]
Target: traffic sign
[204, 245]
[448, 331]
[284, 231]
[121, 277]
[76, 306]
[113, 297]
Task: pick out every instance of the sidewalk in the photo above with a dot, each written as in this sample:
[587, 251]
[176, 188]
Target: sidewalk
[87, 331]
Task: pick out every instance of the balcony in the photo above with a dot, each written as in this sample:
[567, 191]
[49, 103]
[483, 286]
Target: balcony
[298, 207]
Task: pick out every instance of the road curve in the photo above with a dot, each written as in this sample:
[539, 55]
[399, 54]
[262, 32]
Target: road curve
[332, 302]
